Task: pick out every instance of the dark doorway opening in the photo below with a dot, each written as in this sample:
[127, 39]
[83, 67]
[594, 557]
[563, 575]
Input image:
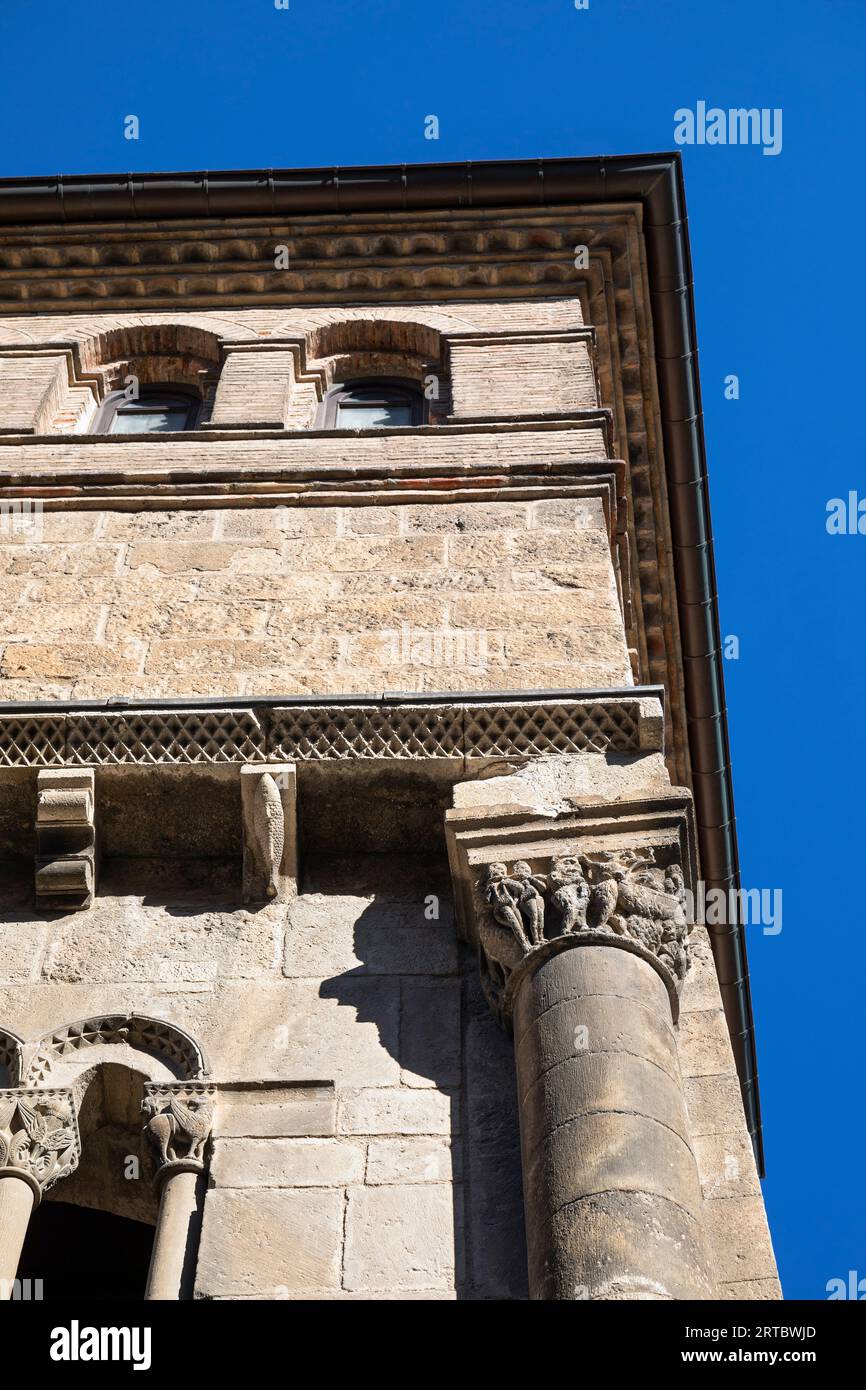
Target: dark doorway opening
[79, 1252]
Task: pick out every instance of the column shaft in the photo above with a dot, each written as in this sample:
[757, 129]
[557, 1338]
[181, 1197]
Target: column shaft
[175, 1246]
[16, 1205]
[613, 1199]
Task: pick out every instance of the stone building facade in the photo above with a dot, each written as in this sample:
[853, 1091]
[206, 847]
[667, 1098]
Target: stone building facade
[362, 743]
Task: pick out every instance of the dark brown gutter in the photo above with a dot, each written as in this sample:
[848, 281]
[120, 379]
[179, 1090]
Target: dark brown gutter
[656, 181]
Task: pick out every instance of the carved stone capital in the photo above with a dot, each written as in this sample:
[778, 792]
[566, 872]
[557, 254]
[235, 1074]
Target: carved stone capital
[529, 886]
[179, 1123]
[39, 1139]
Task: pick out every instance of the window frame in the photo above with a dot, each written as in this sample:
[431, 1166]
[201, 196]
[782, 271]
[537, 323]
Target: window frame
[166, 393]
[392, 387]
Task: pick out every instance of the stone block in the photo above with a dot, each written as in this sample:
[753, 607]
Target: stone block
[714, 1104]
[726, 1165]
[275, 1110]
[704, 1044]
[411, 1161]
[740, 1239]
[397, 1111]
[286, 1163]
[270, 1243]
[370, 937]
[400, 1237]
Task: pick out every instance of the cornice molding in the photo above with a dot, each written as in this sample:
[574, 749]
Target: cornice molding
[457, 729]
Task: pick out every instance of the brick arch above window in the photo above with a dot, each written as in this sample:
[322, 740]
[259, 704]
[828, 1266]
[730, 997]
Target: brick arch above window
[350, 336]
[372, 350]
[184, 355]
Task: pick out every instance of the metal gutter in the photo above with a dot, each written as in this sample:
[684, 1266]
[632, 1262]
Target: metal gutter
[387, 697]
[654, 180]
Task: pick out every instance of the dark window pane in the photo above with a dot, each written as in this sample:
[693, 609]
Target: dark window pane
[159, 420]
[358, 415]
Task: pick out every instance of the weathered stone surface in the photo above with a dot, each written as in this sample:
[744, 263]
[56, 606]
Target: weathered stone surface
[752, 1290]
[257, 1112]
[272, 1243]
[399, 1237]
[367, 937]
[726, 1164]
[496, 1240]
[275, 1162]
[411, 1161]
[399, 1111]
[430, 1033]
[23, 947]
[714, 1104]
[741, 1240]
[122, 935]
[178, 595]
[701, 986]
[620, 1246]
[705, 1048]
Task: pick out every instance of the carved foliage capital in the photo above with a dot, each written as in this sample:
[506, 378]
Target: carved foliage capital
[39, 1135]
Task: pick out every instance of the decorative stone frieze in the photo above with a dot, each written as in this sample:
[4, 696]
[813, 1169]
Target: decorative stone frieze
[178, 1124]
[153, 1035]
[66, 840]
[38, 1136]
[391, 729]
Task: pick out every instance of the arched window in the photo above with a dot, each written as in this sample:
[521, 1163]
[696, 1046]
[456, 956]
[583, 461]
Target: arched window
[152, 410]
[373, 403]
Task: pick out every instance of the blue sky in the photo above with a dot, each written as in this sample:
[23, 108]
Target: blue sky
[778, 268]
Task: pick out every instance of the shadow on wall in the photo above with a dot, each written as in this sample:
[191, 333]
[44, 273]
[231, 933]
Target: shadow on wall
[431, 1017]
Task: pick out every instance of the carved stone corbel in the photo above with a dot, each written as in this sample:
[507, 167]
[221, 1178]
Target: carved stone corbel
[269, 803]
[66, 839]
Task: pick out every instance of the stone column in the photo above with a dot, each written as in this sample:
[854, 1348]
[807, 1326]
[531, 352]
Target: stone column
[583, 948]
[18, 1197]
[612, 1196]
[179, 1126]
[39, 1145]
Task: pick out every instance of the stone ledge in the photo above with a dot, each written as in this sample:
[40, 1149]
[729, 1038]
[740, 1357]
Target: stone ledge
[388, 728]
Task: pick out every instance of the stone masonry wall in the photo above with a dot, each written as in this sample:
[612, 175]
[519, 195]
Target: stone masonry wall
[405, 1179]
[312, 600]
